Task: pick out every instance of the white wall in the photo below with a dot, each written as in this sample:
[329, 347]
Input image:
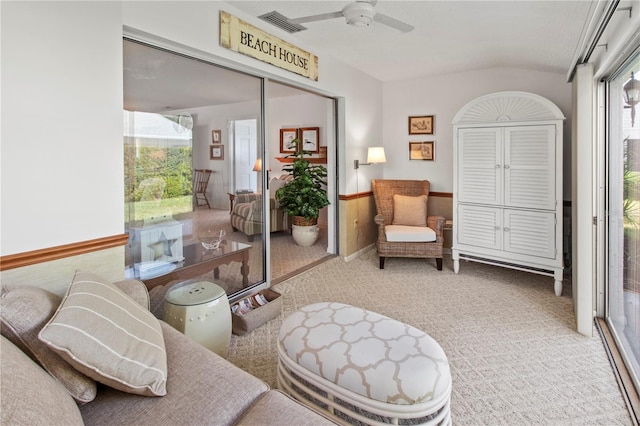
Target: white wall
[208, 119]
[443, 96]
[61, 137]
[294, 112]
[62, 152]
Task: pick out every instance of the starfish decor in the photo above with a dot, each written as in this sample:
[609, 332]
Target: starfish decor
[162, 247]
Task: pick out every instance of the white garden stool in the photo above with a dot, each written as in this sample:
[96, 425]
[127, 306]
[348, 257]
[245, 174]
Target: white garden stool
[360, 366]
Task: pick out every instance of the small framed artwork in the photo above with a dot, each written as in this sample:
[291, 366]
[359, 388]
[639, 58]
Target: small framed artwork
[216, 152]
[286, 140]
[216, 136]
[421, 125]
[421, 151]
[310, 137]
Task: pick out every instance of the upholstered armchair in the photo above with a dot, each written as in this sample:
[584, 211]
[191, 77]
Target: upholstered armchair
[404, 227]
[246, 215]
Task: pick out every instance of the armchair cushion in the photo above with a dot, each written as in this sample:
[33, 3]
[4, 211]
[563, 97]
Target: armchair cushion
[410, 211]
[413, 234]
[245, 210]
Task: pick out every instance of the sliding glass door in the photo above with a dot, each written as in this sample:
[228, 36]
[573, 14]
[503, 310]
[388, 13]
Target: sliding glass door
[623, 189]
[186, 157]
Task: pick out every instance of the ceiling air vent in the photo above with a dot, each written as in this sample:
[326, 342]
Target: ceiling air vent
[282, 22]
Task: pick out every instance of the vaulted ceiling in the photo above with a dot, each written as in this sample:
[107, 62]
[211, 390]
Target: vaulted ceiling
[449, 36]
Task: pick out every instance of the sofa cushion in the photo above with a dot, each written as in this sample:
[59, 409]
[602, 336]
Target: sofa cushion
[410, 211]
[275, 184]
[203, 389]
[136, 290]
[108, 336]
[276, 408]
[23, 313]
[409, 234]
[29, 395]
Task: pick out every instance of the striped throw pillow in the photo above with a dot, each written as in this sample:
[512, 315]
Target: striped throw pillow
[106, 335]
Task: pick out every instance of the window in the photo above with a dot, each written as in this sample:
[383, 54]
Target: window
[623, 186]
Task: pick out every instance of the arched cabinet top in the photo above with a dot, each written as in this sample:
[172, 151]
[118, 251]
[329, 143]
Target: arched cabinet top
[505, 107]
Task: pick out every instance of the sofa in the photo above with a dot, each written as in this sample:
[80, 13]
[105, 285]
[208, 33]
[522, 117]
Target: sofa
[246, 215]
[116, 371]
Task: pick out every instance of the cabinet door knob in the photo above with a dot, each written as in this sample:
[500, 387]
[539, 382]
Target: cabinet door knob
[507, 166]
[506, 229]
[497, 166]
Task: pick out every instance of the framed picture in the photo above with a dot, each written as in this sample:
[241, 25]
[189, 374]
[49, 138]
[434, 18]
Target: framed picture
[216, 136]
[286, 140]
[421, 151]
[421, 125]
[310, 137]
[216, 152]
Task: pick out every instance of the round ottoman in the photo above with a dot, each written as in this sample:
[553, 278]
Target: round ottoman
[200, 310]
[358, 365]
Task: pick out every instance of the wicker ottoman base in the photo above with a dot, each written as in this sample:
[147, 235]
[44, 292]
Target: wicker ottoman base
[361, 367]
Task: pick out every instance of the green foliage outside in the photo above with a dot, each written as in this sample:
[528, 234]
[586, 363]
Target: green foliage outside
[158, 181]
[630, 206]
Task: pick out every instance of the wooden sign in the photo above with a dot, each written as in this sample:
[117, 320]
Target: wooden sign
[242, 37]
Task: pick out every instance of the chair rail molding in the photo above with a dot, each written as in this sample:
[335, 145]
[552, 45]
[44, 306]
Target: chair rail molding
[59, 252]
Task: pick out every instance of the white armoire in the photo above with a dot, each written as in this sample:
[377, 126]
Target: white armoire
[507, 199]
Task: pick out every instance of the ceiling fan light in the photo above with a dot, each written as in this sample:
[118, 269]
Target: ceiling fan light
[359, 14]
[360, 21]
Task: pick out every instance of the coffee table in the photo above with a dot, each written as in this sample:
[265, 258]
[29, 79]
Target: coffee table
[199, 261]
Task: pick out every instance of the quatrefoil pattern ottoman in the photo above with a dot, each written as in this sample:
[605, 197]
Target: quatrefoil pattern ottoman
[374, 357]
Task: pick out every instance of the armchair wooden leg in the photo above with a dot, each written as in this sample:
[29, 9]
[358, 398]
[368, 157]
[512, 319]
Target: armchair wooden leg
[439, 263]
[381, 262]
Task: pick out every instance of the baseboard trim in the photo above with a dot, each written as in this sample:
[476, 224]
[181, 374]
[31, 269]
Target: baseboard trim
[359, 253]
[59, 252]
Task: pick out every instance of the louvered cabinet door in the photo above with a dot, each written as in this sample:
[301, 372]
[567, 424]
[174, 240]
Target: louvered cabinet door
[530, 233]
[479, 226]
[529, 167]
[479, 166]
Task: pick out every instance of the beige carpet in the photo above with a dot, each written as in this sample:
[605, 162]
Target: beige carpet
[514, 354]
[287, 257]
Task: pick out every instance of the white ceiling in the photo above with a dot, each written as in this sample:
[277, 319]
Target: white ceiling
[449, 36]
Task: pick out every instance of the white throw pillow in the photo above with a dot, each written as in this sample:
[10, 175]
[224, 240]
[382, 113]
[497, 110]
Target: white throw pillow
[106, 335]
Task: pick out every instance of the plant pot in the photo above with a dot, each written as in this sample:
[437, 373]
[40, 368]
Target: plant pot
[304, 231]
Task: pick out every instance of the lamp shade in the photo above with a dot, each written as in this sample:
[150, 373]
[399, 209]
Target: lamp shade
[376, 155]
[257, 167]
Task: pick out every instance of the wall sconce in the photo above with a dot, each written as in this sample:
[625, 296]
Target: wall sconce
[375, 155]
[631, 95]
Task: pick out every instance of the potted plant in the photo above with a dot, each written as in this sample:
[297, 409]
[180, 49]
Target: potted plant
[304, 195]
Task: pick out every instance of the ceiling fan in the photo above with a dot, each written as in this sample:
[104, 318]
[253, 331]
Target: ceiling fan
[357, 13]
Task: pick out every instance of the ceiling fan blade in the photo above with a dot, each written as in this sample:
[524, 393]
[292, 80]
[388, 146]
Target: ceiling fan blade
[313, 18]
[393, 23]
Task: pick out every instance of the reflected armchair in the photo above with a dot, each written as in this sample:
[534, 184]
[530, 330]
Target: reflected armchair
[404, 228]
[246, 215]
